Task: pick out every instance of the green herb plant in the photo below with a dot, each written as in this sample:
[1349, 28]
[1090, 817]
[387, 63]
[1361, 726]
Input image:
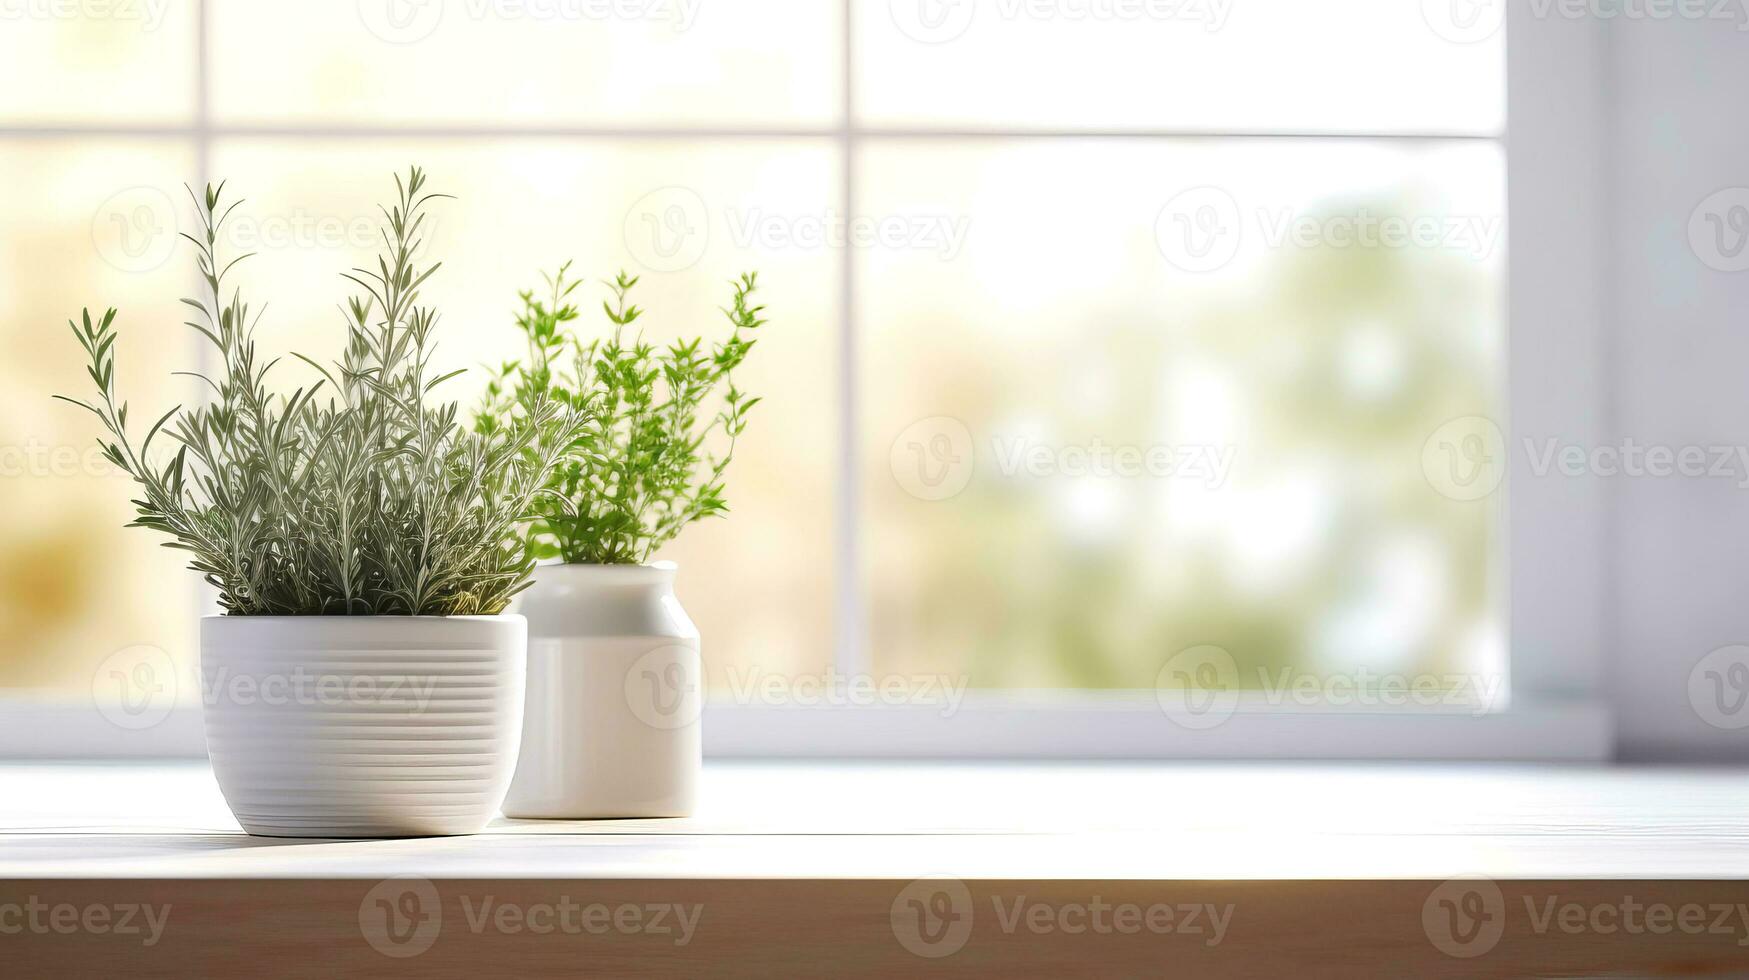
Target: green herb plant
[641, 471]
[355, 495]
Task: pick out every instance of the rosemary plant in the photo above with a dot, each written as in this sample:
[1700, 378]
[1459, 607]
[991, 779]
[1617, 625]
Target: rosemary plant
[641, 471]
[352, 496]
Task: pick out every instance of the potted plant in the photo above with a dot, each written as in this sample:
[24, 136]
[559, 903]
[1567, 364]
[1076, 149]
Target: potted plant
[363, 680]
[614, 676]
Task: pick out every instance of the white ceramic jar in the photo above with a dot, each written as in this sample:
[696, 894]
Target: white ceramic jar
[614, 696]
[363, 726]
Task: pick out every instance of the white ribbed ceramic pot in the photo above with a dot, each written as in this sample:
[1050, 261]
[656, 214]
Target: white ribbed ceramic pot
[363, 726]
[615, 690]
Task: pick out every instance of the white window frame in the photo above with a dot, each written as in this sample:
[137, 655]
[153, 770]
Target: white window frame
[1556, 546]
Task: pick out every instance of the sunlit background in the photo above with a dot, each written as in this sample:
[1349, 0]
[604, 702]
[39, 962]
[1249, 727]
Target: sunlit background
[1071, 238]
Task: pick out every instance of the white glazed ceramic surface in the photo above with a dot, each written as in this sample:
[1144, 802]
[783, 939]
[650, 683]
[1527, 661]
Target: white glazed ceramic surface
[614, 696]
[363, 726]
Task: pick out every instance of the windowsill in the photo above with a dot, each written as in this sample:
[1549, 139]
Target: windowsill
[989, 725]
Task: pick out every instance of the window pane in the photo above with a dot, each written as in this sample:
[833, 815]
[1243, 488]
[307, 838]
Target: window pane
[87, 224]
[1361, 65]
[1170, 394]
[125, 62]
[758, 584]
[545, 62]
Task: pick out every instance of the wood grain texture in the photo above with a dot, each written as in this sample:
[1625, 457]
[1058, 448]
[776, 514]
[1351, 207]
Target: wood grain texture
[927, 870]
[846, 928]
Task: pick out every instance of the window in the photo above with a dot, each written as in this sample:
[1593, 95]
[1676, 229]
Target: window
[1105, 334]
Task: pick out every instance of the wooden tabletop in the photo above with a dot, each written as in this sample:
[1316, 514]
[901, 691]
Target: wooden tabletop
[871, 869]
[856, 820]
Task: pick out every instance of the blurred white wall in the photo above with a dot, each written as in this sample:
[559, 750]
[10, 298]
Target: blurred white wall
[1677, 358]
